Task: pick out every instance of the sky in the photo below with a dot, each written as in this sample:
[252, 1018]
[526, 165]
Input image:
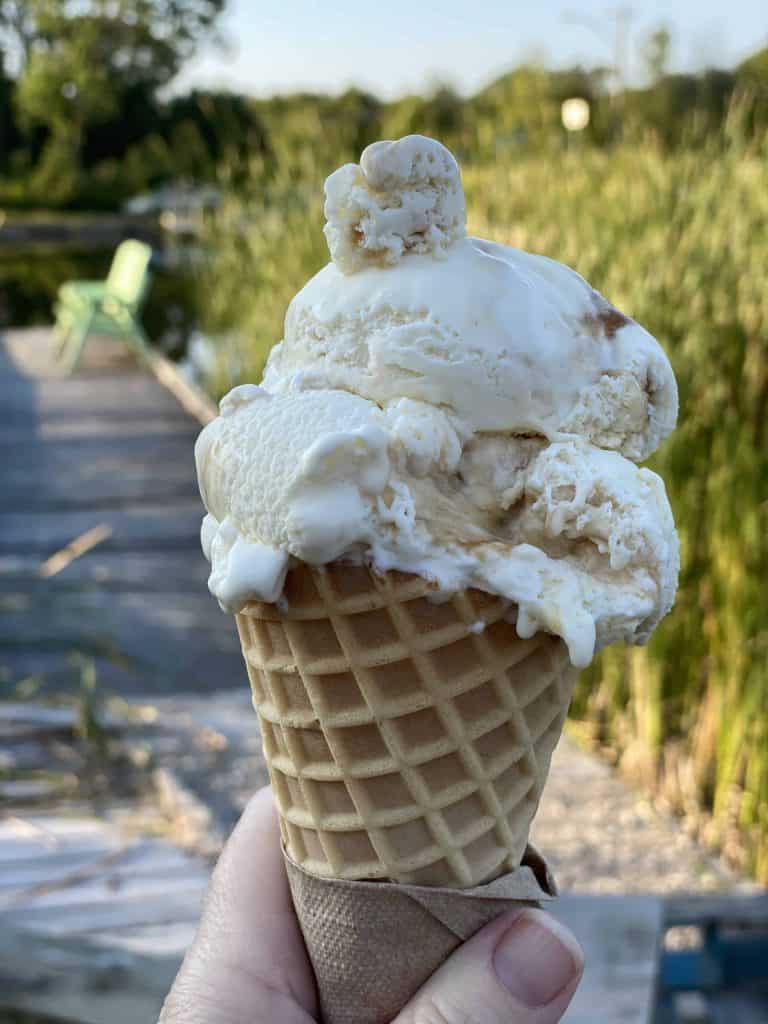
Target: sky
[401, 46]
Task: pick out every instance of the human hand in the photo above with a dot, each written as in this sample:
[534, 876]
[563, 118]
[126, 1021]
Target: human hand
[248, 964]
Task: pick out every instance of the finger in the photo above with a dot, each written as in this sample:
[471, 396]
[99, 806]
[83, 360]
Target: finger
[523, 968]
[247, 961]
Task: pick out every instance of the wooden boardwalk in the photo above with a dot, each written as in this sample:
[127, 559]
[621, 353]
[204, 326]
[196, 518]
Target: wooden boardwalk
[93, 926]
[95, 910]
[108, 448]
[93, 921]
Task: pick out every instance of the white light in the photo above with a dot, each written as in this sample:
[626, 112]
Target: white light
[575, 114]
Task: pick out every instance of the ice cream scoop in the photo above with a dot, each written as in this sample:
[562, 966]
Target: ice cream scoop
[507, 340]
[451, 408]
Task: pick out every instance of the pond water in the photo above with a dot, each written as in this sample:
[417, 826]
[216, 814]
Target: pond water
[30, 277]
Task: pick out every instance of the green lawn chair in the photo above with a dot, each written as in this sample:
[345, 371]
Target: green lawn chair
[110, 307]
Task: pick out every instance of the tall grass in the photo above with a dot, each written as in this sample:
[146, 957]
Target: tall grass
[261, 249]
[680, 242]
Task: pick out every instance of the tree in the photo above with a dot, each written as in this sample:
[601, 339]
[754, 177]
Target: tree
[656, 53]
[523, 107]
[16, 32]
[755, 68]
[64, 88]
[749, 116]
[145, 40]
[79, 58]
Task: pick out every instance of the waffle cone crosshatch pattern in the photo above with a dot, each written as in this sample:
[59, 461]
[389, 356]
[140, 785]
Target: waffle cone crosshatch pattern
[406, 739]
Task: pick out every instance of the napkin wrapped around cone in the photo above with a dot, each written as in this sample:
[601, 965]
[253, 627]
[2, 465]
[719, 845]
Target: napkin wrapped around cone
[372, 945]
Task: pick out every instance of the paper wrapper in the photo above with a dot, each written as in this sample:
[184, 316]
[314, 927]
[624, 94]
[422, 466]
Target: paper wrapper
[373, 944]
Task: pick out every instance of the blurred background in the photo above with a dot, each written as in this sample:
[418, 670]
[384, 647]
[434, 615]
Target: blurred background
[628, 142]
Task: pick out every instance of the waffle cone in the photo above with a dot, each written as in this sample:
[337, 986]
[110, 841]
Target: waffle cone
[407, 740]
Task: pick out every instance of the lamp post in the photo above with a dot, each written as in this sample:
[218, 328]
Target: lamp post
[574, 114]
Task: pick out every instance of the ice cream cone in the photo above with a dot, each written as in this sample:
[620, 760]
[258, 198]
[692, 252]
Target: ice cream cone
[407, 739]
[471, 413]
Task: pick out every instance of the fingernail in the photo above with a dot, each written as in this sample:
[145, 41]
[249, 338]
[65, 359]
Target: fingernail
[536, 959]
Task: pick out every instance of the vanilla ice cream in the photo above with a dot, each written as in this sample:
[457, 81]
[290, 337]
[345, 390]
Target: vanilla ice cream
[451, 407]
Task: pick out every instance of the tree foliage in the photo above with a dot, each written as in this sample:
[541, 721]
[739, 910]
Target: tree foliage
[86, 112]
[139, 41]
[80, 60]
[656, 51]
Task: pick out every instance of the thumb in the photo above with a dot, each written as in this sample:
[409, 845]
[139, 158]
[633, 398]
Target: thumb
[522, 968]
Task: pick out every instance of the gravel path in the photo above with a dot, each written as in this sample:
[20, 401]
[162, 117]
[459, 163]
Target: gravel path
[598, 834]
[601, 836]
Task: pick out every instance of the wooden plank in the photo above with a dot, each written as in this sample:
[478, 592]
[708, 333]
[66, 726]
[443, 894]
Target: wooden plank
[151, 895]
[25, 864]
[190, 397]
[66, 826]
[121, 396]
[24, 755]
[20, 722]
[164, 525]
[111, 893]
[178, 664]
[155, 904]
[70, 618]
[38, 493]
[104, 361]
[161, 571]
[110, 446]
[14, 850]
[43, 788]
[94, 425]
[232, 711]
[41, 716]
[48, 833]
[137, 858]
[102, 885]
[100, 455]
[621, 939]
[80, 980]
[54, 668]
[204, 669]
[113, 479]
[29, 353]
[162, 642]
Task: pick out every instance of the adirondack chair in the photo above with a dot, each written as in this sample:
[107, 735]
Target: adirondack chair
[111, 307]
